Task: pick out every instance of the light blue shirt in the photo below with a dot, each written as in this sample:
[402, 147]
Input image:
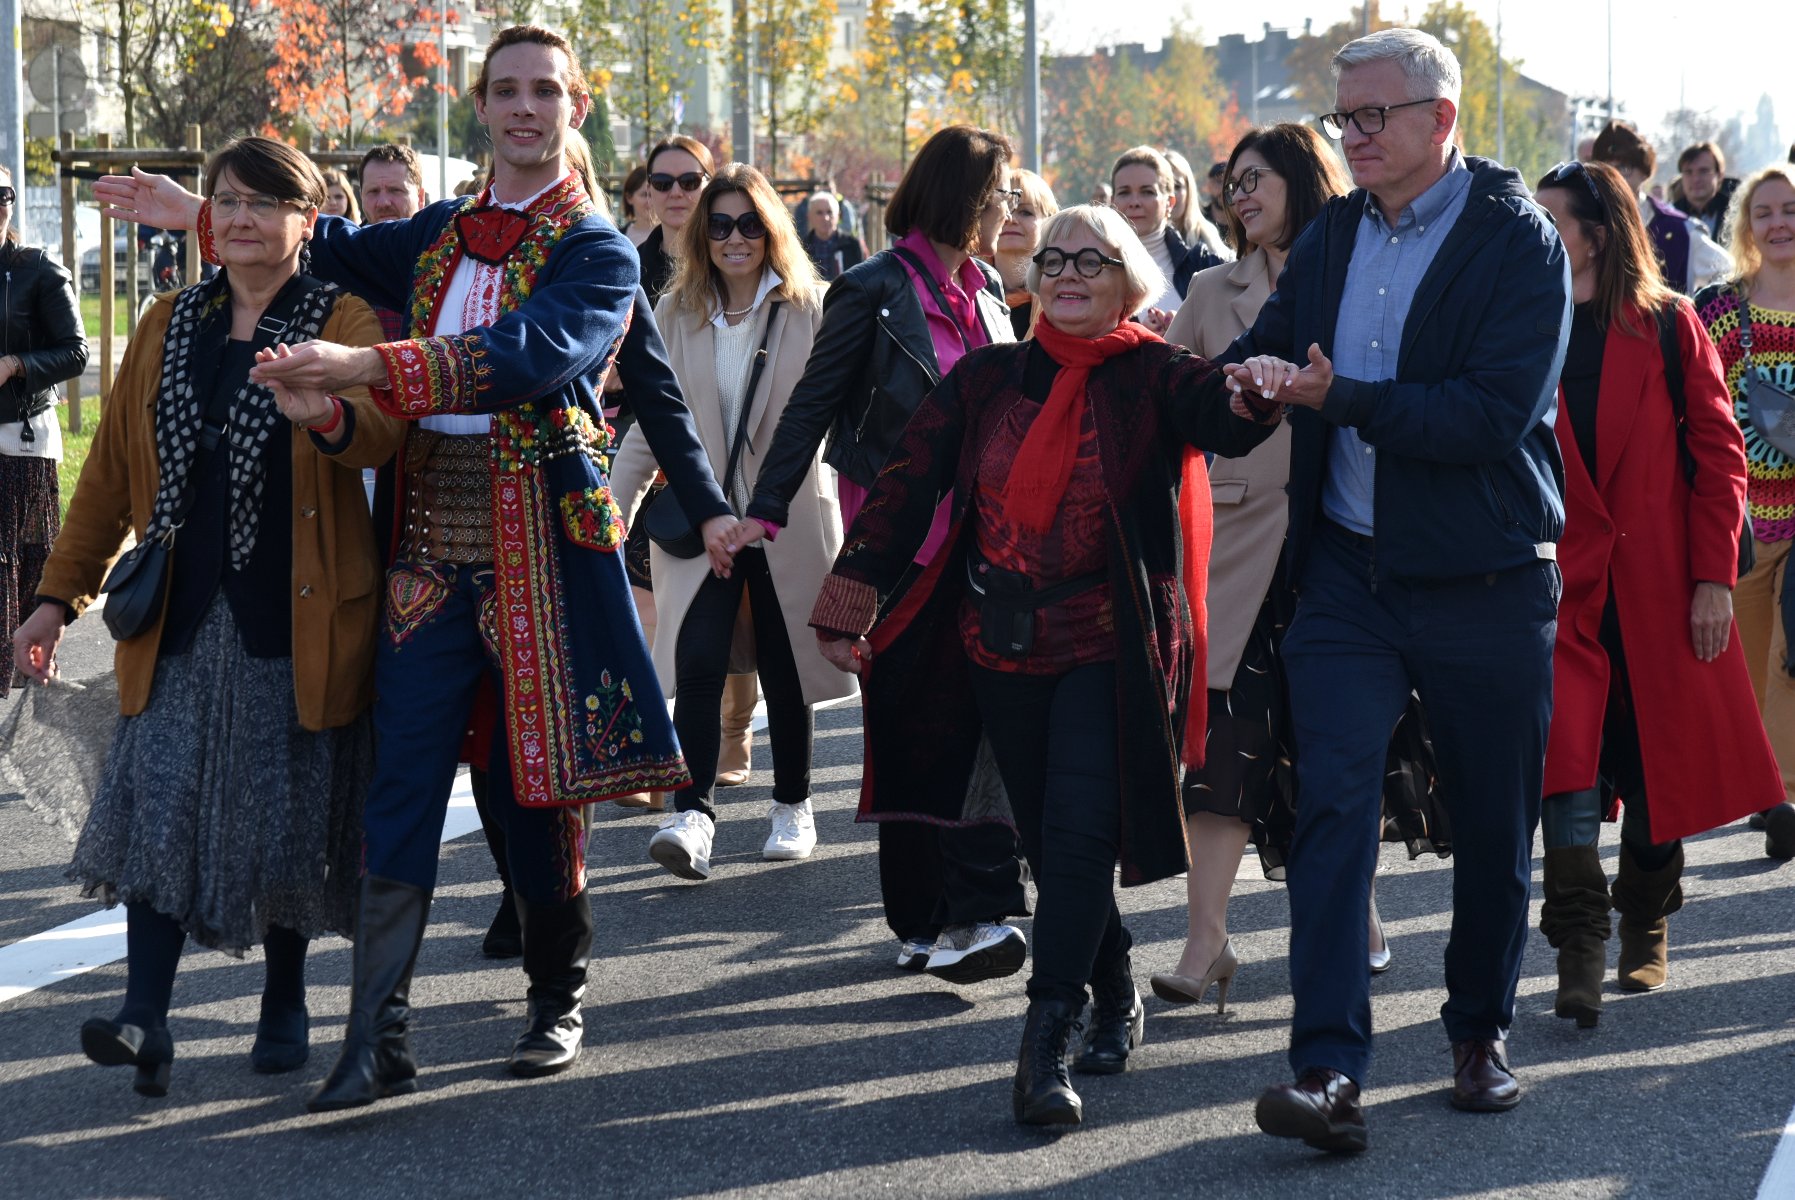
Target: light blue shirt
[1388, 264]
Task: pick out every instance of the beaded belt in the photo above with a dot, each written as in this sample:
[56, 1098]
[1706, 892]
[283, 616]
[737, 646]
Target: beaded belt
[448, 497]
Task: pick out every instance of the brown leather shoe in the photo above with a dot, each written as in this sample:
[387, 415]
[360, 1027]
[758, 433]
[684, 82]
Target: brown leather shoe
[1321, 1108]
[1481, 1080]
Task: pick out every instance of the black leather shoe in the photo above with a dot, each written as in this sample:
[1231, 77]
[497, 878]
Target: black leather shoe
[504, 937]
[1042, 1092]
[557, 952]
[1481, 1080]
[151, 1051]
[283, 1042]
[1118, 1023]
[1321, 1109]
[376, 1061]
[1779, 832]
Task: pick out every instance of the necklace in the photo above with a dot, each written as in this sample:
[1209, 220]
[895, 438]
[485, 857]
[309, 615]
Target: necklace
[740, 312]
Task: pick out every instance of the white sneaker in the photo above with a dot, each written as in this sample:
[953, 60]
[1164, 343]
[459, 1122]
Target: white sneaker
[794, 832]
[913, 954]
[969, 953]
[683, 844]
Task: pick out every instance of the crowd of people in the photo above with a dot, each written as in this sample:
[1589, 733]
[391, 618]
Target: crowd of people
[1359, 490]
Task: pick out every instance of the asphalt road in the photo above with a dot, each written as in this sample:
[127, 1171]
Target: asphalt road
[749, 1036]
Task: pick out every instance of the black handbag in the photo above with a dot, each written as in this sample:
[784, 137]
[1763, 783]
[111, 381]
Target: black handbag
[1679, 403]
[135, 587]
[1772, 410]
[667, 524]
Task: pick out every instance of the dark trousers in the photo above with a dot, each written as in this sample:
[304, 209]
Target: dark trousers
[933, 876]
[701, 667]
[426, 670]
[1478, 653]
[1054, 738]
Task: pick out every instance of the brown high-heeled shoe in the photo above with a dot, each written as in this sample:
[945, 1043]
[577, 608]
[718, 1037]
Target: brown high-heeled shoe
[1182, 989]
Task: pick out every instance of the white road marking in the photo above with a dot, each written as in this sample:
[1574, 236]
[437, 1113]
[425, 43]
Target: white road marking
[1779, 1176]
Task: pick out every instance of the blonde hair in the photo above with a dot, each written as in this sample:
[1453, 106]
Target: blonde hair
[698, 286]
[1145, 156]
[1748, 259]
[1035, 193]
[1145, 279]
[579, 161]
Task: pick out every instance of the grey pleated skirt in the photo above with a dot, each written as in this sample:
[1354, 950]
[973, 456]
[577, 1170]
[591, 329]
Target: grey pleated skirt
[217, 809]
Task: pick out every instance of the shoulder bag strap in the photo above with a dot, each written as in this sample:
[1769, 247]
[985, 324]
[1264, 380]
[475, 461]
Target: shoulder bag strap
[741, 422]
[935, 291]
[1672, 353]
[1744, 337]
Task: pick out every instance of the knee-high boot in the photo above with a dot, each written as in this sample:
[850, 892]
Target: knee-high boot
[376, 1060]
[1574, 919]
[1644, 899]
[557, 952]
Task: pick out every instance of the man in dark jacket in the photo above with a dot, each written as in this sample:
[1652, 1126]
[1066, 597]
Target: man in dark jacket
[1707, 188]
[1417, 334]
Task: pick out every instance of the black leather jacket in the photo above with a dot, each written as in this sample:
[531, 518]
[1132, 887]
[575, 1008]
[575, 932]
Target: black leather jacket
[872, 364]
[42, 326]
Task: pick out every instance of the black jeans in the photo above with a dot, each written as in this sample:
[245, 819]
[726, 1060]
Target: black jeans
[701, 665]
[1054, 738]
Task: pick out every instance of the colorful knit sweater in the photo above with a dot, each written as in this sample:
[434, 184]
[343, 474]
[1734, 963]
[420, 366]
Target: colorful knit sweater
[1770, 484]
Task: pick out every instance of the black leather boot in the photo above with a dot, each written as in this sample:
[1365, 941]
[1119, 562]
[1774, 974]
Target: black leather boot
[557, 951]
[376, 1060]
[1042, 1093]
[1118, 1022]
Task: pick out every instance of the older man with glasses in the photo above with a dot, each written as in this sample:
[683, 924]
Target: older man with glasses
[1416, 335]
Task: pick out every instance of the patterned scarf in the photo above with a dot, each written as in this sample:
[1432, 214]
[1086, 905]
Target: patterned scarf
[296, 315]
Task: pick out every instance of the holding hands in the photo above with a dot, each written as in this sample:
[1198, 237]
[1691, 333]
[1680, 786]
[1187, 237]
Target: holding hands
[1262, 379]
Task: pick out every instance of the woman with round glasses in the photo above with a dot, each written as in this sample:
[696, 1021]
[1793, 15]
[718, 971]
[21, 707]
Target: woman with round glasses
[740, 321]
[892, 328]
[230, 807]
[678, 169]
[1145, 192]
[1276, 180]
[1652, 704]
[41, 345]
[1055, 625]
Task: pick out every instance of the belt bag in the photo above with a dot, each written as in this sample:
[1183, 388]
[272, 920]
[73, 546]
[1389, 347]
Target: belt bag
[1008, 601]
[1771, 409]
[667, 524]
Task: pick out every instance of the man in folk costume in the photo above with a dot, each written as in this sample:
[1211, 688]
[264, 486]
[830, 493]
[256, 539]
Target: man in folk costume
[506, 545]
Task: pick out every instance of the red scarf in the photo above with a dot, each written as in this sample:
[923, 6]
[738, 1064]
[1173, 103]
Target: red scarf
[1043, 465]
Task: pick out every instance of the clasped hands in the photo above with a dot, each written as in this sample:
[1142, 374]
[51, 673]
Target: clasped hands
[1263, 379]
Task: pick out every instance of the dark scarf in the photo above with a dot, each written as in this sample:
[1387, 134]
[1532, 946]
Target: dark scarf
[191, 350]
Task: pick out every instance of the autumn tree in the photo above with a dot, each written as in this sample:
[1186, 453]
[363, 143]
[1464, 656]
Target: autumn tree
[1093, 108]
[646, 51]
[341, 67]
[213, 73]
[790, 42]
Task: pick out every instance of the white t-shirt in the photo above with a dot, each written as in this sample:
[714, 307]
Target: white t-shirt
[46, 428]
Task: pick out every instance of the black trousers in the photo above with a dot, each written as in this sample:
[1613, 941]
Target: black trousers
[1054, 738]
[701, 667]
[932, 876]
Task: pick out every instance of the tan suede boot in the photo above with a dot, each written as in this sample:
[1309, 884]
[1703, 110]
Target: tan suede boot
[1574, 919]
[735, 757]
[1644, 899]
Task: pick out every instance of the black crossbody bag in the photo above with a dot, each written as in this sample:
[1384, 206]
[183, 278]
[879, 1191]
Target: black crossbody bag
[1679, 404]
[667, 524]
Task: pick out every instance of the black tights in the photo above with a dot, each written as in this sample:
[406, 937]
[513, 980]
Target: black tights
[153, 943]
[701, 665]
[1054, 738]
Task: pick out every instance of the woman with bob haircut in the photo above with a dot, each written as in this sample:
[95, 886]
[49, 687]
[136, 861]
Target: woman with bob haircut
[1145, 188]
[1056, 624]
[740, 320]
[892, 328]
[230, 807]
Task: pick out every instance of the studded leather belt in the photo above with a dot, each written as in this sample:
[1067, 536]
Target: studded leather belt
[447, 497]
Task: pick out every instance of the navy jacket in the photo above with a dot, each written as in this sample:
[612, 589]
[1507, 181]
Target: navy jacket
[1469, 478]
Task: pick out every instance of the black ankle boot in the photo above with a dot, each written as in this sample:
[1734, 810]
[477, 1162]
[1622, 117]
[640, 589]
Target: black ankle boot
[504, 937]
[1042, 1093]
[376, 1060]
[283, 1032]
[557, 951]
[151, 1051]
[1118, 1022]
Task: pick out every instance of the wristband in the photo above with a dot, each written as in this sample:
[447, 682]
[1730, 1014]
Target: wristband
[336, 419]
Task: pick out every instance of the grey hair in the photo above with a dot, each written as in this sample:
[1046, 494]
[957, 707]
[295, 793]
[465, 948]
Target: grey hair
[1431, 68]
[834, 205]
[1144, 278]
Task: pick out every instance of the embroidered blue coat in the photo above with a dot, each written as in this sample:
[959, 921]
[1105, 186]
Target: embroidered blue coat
[584, 718]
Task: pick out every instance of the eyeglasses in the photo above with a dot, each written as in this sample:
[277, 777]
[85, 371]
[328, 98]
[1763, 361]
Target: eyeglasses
[691, 181]
[7, 197]
[1564, 172]
[721, 225]
[1244, 184]
[226, 204]
[1370, 119]
[1089, 262]
[1010, 198]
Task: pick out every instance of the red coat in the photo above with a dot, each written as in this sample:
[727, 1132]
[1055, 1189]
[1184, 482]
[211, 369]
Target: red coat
[1640, 524]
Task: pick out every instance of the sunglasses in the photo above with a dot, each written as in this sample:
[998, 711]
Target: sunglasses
[721, 225]
[1088, 262]
[7, 197]
[1563, 173]
[691, 181]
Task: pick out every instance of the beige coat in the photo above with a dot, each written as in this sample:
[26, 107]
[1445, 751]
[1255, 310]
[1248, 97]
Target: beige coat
[1251, 508]
[336, 568]
[805, 549]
